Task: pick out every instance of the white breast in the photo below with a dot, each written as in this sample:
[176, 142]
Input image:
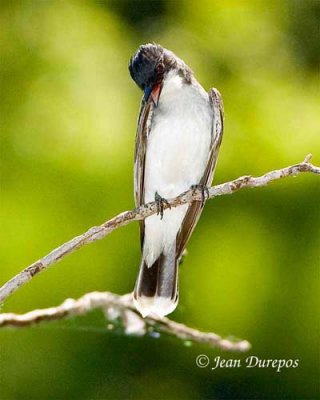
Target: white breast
[177, 155]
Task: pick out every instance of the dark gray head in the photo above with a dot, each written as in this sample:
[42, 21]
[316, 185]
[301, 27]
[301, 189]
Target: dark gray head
[150, 65]
[147, 67]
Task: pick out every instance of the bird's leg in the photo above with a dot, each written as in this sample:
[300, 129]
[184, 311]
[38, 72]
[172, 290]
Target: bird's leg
[204, 191]
[160, 204]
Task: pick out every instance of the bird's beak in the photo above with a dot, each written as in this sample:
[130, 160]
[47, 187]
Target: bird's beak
[155, 93]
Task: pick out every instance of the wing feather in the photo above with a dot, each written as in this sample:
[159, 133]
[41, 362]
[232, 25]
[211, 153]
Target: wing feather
[144, 124]
[195, 209]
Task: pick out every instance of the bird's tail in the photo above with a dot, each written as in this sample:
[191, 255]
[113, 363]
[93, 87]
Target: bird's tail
[156, 290]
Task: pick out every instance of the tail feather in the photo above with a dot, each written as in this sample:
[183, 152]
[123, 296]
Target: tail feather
[156, 290]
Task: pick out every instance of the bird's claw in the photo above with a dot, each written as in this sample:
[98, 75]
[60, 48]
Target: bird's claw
[161, 201]
[204, 192]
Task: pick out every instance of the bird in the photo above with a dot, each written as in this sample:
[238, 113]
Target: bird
[179, 133]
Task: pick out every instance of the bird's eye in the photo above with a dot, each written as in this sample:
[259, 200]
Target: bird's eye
[160, 68]
[159, 72]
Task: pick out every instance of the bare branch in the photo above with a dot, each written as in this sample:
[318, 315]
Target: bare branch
[99, 232]
[120, 308]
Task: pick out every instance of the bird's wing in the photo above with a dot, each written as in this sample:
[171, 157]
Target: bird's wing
[143, 129]
[194, 211]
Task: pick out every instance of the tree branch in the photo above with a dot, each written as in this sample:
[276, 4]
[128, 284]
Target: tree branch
[121, 309]
[99, 232]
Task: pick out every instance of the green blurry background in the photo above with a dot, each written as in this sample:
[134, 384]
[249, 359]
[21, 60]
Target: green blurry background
[68, 118]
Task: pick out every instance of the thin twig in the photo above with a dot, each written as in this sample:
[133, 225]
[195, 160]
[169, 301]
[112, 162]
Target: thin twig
[121, 308]
[99, 232]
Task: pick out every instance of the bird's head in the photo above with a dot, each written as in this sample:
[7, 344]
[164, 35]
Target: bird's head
[147, 69]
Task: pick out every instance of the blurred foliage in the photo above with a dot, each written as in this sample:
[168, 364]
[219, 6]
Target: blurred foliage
[68, 117]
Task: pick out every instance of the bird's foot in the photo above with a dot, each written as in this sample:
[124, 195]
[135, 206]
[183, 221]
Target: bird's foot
[161, 201]
[204, 192]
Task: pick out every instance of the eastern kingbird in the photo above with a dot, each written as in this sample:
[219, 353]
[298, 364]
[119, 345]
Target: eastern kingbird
[179, 133]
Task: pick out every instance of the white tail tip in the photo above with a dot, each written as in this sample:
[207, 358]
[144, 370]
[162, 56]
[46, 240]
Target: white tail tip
[158, 306]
